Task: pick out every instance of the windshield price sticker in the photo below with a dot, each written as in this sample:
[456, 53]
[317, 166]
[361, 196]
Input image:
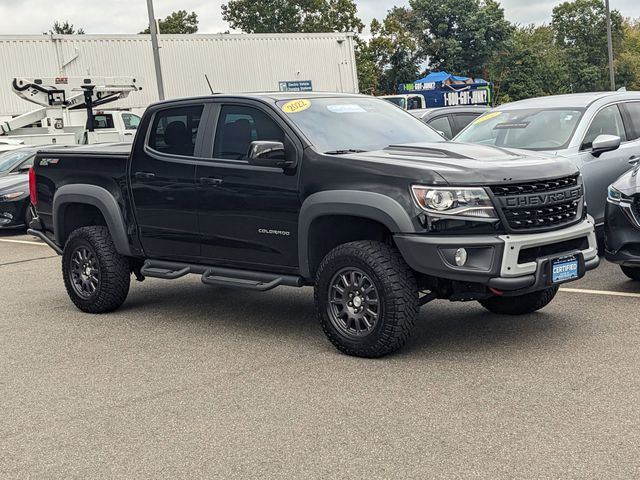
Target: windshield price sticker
[486, 117]
[295, 106]
[346, 108]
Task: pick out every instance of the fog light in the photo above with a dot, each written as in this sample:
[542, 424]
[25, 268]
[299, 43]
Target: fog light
[461, 257]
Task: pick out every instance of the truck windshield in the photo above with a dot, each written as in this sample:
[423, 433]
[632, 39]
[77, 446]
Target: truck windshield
[337, 125]
[530, 129]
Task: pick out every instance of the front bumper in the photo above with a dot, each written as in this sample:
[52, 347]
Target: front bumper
[509, 263]
[13, 212]
[622, 235]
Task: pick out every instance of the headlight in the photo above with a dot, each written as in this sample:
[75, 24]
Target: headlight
[616, 196]
[11, 196]
[450, 201]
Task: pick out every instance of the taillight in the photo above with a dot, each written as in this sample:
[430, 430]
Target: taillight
[32, 186]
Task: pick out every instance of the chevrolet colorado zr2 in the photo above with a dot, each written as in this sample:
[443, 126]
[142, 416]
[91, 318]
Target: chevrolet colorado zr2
[345, 193]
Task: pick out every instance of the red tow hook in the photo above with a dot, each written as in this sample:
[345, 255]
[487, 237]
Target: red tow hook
[495, 291]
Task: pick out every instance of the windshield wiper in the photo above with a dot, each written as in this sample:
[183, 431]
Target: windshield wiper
[343, 152]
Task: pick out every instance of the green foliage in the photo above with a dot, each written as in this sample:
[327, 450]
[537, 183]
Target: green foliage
[627, 61]
[179, 22]
[292, 16]
[65, 28]
[580, 31]
[531, 65]
[459, 36]
[391, 55]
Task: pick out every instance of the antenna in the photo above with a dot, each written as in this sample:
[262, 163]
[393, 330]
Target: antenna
[209, 83]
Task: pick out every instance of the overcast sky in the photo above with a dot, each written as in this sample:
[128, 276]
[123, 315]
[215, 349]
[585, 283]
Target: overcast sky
[129, 16]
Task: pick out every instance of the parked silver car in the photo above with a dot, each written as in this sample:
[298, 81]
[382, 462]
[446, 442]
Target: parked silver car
[599, 131]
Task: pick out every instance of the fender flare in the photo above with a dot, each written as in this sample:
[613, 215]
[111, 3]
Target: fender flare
[371, 205]
[100, 198]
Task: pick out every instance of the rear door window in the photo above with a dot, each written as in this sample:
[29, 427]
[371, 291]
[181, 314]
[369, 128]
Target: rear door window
[103, 121]
[633, 114]
[442, 124]
[174, 131]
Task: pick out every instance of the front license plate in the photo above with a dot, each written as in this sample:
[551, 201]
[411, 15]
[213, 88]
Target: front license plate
[564, 269]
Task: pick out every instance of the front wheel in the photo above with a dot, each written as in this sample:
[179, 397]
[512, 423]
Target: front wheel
[95, 275]
[632, 272]
[521, 304]
[366, 297]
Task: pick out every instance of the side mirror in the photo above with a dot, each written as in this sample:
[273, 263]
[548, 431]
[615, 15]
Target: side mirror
[265, 153]
[604, 143]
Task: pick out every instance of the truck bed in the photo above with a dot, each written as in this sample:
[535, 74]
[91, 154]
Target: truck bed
[103, 165]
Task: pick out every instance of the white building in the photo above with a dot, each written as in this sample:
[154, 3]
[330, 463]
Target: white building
[233, 63]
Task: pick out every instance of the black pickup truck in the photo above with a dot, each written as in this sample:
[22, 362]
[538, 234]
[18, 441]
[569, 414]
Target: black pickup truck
[345, 193]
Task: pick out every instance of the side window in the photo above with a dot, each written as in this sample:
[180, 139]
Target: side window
[101, 121]
[441, 124]
[238, 126]
[464, 119]
[174, 131]
[130, 121]
[633, 112]
[607, 121]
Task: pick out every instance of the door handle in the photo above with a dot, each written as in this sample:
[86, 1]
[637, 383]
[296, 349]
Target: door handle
[634, 159]
[144, 175]
[211, 181]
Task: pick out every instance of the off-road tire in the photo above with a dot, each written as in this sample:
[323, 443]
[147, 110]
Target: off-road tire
[522, 304]
[114, 275]
[396, 289]
[632, 272]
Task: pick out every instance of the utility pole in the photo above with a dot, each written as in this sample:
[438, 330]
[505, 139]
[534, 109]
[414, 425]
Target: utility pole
[612, 77]
[153, 29]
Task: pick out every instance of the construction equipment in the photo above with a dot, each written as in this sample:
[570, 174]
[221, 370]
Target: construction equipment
[58, 97]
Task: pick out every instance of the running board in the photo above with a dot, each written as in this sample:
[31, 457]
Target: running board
[220, 276]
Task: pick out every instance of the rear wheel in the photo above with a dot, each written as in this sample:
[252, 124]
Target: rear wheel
[96, 277]
[366, 298]
[632, 272]
[521, 304]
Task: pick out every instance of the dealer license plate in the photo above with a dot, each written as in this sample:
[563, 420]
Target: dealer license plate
[564, 269]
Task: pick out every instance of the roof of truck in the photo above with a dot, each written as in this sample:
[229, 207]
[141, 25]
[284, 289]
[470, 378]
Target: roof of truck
[266, 96]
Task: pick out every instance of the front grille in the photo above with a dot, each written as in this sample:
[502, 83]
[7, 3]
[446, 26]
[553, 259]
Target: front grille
[540, 205]
[531, 254]
[636, 205]
[535, 187]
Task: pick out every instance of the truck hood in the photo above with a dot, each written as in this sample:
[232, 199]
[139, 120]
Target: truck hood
[11, 183]
[471, 164]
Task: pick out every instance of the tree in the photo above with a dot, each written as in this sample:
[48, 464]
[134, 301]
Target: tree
[65, 28]
[459, 36]
[390, 57]
[531, 65]
[179, 22]
[292, 16]
[627, 61]
[581, 31]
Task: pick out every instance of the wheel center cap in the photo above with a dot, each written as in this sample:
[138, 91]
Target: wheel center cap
[357, 301]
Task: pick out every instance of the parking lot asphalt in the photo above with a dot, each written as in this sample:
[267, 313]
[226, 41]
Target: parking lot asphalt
[190, 381]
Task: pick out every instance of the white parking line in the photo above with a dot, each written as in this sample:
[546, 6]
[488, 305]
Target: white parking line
[600, 292]
[26, 242]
